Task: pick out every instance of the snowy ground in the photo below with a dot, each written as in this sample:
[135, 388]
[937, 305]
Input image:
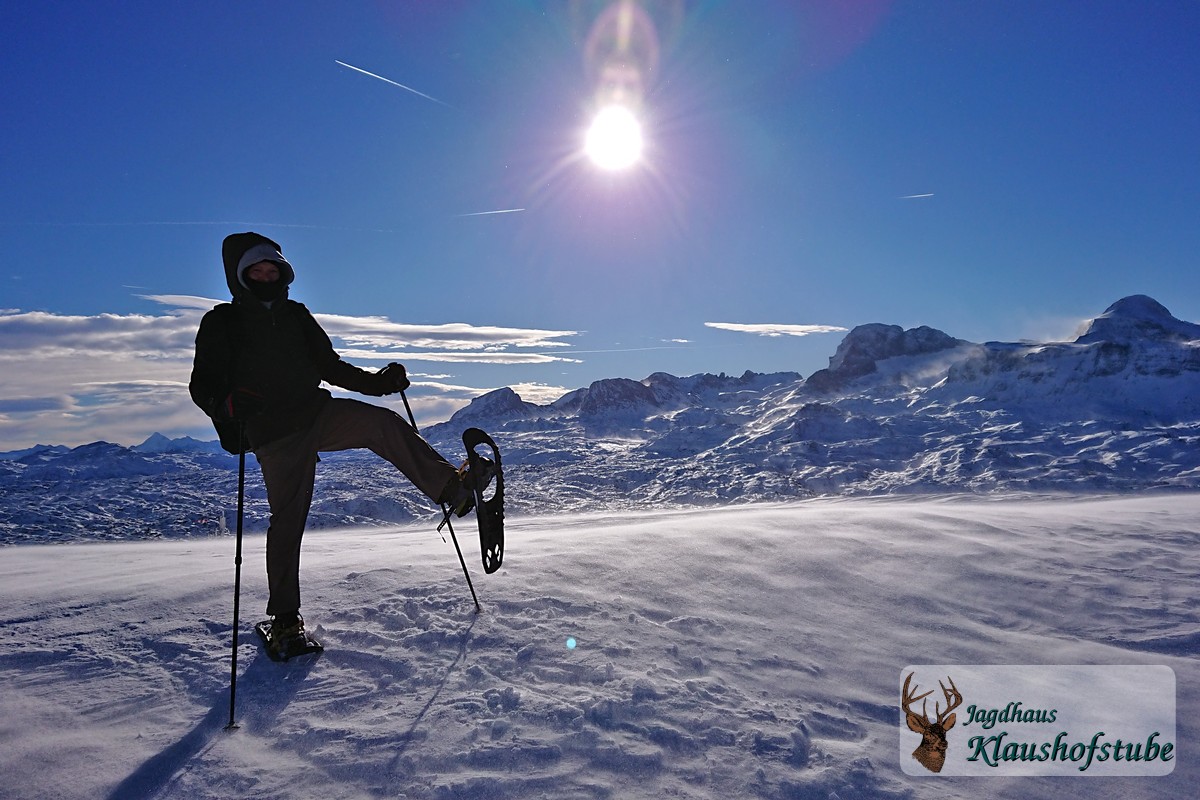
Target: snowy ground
[742, 652]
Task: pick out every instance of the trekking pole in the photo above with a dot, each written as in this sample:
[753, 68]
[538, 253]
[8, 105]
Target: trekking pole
[446, 515]
[237, 570]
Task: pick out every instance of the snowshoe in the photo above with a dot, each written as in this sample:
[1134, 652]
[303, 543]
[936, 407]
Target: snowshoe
[489, 497]
[287, 642]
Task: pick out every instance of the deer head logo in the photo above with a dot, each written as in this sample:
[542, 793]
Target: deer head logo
[932, 751]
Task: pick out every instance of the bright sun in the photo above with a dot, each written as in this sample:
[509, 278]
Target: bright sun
[614, 141]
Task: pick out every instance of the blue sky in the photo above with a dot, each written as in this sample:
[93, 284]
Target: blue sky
[998, 170]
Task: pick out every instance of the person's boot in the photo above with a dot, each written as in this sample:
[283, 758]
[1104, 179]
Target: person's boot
[461, 497]
[285, 629]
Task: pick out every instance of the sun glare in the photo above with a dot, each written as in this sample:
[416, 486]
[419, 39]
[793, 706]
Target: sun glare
[614, 141]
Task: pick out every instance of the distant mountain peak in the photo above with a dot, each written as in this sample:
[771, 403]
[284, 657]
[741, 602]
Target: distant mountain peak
[1140, 306]
[866, 345]
[158, 443]
[1137, 317]
[155, 443]
[498, 404]
[617, 394]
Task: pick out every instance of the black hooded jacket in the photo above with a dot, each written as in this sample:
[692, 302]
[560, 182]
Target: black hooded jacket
[276, 351]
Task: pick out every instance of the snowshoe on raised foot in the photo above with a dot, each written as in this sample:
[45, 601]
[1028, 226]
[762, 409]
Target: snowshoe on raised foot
[463, 499]
[285, 639]
[489, 496]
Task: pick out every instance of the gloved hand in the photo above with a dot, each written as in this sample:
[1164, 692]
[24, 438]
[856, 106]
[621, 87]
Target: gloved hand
[241, 405]
[392, 378]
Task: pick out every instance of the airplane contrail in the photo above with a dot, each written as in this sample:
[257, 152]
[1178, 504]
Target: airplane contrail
[915, 196]
[392, 82]
[484, 213]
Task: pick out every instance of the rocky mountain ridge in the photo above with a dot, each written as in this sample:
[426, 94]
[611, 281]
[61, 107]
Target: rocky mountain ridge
[1117, 409]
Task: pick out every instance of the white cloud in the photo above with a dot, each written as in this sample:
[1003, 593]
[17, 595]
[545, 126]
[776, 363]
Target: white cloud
[71, 379]
[380, 332]
[539, 393]
[775, 329]
[461, 357]
[182, 301]
[35, 335]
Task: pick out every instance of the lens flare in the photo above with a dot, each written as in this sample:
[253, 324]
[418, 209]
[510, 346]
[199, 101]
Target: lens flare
[614, 141]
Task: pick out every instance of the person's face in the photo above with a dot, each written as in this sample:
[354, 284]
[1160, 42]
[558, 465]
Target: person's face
[263, 272]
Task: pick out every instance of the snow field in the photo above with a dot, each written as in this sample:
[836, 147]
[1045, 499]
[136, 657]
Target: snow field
[741, 652]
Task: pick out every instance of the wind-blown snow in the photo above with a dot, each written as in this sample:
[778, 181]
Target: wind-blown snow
[739, 652]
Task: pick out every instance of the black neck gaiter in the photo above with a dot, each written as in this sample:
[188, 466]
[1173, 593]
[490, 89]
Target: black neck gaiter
[266, 292]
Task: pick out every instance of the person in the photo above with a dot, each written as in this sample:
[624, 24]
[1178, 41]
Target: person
[259, 364]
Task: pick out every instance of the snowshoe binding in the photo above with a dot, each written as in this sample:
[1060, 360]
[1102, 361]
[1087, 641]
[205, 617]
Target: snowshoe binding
[284, 639]
[468, 478]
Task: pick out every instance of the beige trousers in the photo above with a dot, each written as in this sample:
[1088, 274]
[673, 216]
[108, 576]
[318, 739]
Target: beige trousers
[289, 469]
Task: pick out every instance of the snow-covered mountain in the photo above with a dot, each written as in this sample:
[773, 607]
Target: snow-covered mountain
[896, 411]
[38, 451]
[157, 443]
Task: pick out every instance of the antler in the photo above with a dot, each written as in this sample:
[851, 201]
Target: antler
[953, 700]
[912, 697]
